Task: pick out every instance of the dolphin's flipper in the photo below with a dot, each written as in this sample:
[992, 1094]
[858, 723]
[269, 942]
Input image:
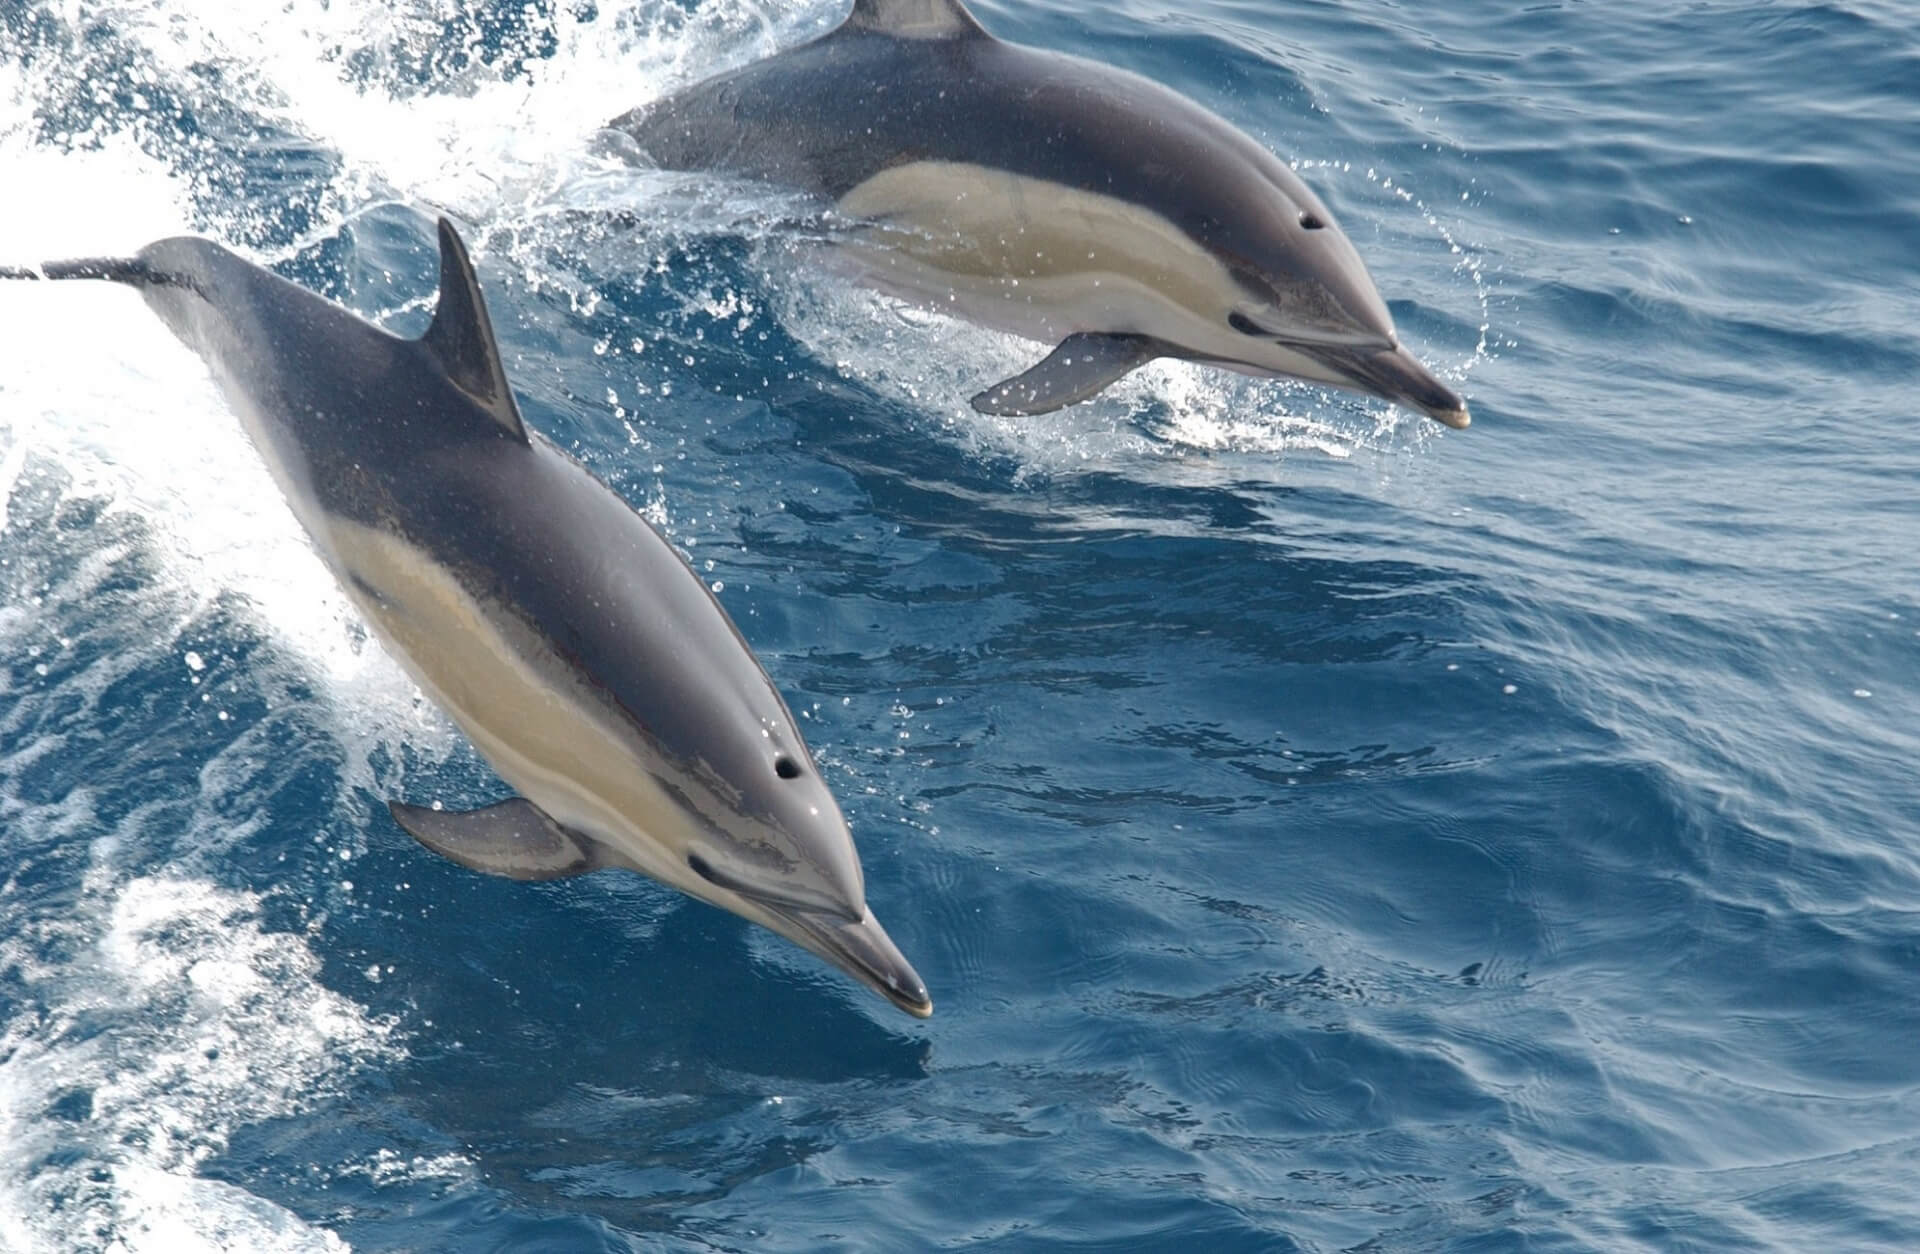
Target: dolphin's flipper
[1079, 367]
[914, 19]
[461, 337]
[513, 838]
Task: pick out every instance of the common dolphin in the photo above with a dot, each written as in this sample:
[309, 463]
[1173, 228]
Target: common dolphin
[1051, 197]
[569, 641]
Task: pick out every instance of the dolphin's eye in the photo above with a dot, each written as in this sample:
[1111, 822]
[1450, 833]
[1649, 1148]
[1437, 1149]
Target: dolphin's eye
[786, 768]
[701, 867]
[1311, 220]
[1245, 325]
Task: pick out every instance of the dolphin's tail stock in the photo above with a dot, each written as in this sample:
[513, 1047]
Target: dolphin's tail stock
[114, 269]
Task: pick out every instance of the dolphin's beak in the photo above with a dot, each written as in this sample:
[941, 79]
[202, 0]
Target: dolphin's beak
[864, 951]
[1397, 375]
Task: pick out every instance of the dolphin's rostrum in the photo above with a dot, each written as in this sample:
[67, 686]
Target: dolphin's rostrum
[1051, 197]
[569, 641]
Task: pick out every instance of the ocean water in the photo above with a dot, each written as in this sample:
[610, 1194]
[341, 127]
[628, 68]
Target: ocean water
[1319, 831]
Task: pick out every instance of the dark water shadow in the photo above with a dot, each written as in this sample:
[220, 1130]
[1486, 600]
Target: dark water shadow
[601, 1048]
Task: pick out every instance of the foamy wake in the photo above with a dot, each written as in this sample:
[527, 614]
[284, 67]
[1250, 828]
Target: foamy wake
[171, 1019]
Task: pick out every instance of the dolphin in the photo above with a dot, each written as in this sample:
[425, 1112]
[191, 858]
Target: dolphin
[1050, 197]
[570, 642]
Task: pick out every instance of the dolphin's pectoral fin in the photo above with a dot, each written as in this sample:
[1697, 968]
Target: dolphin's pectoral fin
[1081, 366]
[513, 838]
[461, 337]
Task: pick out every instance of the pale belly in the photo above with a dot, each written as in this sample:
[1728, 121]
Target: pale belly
[536, 725]
[1043, 261]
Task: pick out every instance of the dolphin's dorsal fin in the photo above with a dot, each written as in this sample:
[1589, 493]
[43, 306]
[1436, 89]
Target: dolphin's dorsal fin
[915, 19]
[461, 337]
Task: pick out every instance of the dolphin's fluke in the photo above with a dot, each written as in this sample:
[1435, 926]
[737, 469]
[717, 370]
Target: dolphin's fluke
[1080, 366]
[514, 838]
[461, 337]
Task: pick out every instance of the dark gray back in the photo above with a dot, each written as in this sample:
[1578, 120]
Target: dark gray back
[371, 428]
[827, 115]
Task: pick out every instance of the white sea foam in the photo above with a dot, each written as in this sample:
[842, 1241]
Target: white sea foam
[418, 105]
[170, 1018]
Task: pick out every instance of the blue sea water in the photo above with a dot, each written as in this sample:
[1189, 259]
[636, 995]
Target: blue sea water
[1318, 831]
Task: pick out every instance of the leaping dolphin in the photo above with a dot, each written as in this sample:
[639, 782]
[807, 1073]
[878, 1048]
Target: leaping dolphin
[1054, 198]
[567, 639]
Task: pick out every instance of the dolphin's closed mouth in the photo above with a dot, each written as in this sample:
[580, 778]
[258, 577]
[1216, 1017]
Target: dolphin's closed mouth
[864, 951]
[1398, 376]
[1357, 338]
